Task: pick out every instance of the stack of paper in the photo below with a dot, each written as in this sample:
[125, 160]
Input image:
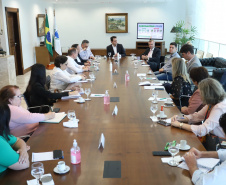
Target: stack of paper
[70, 97]
[141, 74]
[42, 156]
[145, 83]
[154, 87]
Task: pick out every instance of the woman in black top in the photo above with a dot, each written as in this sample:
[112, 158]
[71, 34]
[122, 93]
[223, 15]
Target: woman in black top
[181, 82]
[36, 92]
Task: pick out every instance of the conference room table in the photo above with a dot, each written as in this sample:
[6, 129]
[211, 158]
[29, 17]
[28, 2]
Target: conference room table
[130, 136]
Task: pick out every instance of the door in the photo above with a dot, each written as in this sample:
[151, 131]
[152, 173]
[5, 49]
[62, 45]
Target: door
[13, 28]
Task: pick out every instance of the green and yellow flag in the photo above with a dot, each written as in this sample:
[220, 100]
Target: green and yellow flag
[48, 37]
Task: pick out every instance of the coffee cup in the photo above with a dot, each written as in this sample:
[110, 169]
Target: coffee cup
[161, 114]
[183, 144]
[81, 99]
[168, 100]
[61, 166]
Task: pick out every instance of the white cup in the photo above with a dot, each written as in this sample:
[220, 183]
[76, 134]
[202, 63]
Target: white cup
[81, 99]
[168, 100]
[183, 143]
[61, 166]
[161, 114]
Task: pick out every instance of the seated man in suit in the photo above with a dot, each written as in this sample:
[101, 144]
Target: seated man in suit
[115, 48]
[85, 51]
[165, 73]
[187, 52]
[152, 55]
[78, 59]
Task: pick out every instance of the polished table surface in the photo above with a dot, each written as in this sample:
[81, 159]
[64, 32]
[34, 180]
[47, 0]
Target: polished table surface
[130, 137]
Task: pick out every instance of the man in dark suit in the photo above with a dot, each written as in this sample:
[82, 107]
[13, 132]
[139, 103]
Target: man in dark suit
[152, 55]
[79, 60]
[115, 48]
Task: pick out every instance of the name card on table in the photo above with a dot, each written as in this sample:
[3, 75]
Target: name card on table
[115, 111]
[101, 141]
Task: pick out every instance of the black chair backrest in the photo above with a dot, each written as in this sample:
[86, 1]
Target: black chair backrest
[223, 81]
[48, 80]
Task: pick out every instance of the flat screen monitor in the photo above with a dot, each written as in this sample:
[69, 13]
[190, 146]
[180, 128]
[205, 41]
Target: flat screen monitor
[154, 31]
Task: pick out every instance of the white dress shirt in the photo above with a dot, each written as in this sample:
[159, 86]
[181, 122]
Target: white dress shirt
[73, 67]
[150, 53]
[114, 48]
[211, 124]
[216, 177]
[61, 79]
[85, 54]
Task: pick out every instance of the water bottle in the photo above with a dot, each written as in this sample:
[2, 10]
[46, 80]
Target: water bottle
[127, 76]
[110, 66]
[75, 153]
[106, 98]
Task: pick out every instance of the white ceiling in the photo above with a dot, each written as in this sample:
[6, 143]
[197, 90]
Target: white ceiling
[104, 1]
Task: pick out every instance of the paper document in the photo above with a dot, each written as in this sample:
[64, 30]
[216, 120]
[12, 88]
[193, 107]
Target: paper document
[70, 97]
[141, 74]
[57, 119]
[167, 159]
[154, 87]
[42, 156]
[97, 95]
[145, 65]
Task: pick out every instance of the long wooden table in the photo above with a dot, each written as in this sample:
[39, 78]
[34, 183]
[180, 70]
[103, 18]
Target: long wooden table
[130, 136]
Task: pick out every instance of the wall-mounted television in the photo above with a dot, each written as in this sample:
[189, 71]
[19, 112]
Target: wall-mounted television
[154, 31]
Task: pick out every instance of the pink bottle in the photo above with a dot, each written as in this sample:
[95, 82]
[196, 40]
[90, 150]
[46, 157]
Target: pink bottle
[75, 153]
[106, 98]
[127, 76]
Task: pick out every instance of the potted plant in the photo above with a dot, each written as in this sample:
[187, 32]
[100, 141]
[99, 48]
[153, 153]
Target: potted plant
[183, 35]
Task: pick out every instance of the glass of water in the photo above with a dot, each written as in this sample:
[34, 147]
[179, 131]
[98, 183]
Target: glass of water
[71, 115]
[154, 108]
[87, 92]
[37, 170]
[141, 78]
[109, 54]
[173, 150]
[135, 64]
[155, 95]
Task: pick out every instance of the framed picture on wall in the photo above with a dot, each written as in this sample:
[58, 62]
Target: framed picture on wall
[116, 22]
[41, 25]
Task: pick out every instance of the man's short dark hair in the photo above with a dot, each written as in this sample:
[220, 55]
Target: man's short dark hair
[112, 38]
[198, 74]
[71, 51]
[85, 42]
[174, 44]
[222, 122]
[74, 46]
[187, 48]
[60, 60]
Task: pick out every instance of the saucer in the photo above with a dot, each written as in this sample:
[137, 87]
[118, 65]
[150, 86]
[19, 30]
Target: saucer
[67, 169]
[170, 103]
[187, 147]
[164, 116]
[79, 101]
[176, 164]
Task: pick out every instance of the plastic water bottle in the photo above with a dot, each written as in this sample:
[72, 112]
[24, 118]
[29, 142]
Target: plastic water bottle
[127, 76]
[110, 66]
[75, 153]
[106, 98]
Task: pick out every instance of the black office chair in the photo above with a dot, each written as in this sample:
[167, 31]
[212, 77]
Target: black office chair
[35, 109]
[48, 80]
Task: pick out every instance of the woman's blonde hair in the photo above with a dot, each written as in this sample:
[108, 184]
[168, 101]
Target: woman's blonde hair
[211, 91]
[179, 69]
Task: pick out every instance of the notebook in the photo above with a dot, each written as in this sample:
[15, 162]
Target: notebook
[57, 119]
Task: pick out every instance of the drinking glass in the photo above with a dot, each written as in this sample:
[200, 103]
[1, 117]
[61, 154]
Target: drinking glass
[71, 115]
[173, 150]
[155, 95]
[91, 75]
[135, 64]
[37, 170]
[87, 92]
[109, 54]
[141, 78]
[154, 108]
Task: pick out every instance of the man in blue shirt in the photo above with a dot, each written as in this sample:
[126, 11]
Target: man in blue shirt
[85, 51]
[165, 73]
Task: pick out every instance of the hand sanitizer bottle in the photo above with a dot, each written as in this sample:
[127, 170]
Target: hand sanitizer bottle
[75, 153]
[106, 98]
[110, 66]
[127, 76]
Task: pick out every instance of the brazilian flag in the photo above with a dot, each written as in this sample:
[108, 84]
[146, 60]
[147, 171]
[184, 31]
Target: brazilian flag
[48, 37]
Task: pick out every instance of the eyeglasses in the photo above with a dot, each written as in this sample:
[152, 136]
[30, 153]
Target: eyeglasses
[66, 64]
[20, 96]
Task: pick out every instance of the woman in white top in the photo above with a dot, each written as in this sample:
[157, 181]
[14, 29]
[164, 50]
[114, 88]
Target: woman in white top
[213, 95]
[60, 78]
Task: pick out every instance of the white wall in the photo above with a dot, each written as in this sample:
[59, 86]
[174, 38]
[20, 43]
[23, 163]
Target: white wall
[81, 21]
[28, 10]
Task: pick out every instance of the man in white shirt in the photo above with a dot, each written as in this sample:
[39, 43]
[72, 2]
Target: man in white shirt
[86, 52]
[79, 60]
[218, 175]
[72, 66]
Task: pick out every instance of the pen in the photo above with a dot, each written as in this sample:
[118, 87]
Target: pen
[162, 98]
[97, 95]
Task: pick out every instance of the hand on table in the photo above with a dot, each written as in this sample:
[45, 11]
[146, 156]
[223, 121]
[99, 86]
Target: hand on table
[24, 157]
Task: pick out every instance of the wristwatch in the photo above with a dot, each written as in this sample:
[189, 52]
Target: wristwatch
[181, 124]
